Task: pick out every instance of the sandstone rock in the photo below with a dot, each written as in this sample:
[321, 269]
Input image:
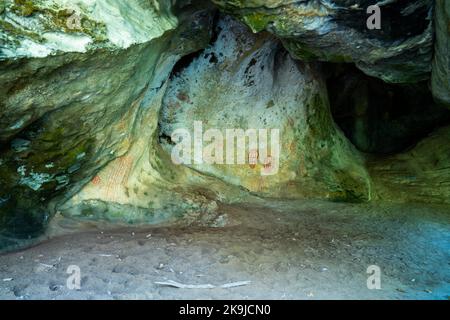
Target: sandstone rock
[246, 81]
[68, 114]
[336, 31]
[144, 186]
[421, 174]
[40, 28]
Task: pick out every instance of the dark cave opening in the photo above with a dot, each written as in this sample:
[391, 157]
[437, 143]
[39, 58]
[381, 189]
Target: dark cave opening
[378, 117]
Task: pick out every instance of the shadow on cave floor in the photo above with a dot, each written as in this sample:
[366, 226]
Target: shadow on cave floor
[288, 250]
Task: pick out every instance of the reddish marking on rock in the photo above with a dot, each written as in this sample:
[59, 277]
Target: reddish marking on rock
[183, 96]
[118, 177]
[253, 158]
[96, 180]
[268, 164]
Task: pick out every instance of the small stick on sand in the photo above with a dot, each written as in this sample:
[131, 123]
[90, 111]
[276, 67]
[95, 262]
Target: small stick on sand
[235, 284]
[178, 285]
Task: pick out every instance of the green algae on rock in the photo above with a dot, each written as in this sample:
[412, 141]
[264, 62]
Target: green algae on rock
[67, 115]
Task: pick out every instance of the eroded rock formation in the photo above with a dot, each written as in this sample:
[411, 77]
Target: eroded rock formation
[68, 114]
[419, 175]
[249, 81]
[336, 31]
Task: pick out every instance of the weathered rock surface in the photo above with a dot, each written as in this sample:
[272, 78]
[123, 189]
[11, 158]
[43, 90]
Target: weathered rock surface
[336, 31]
[240, 81]
[440, 80]
[67, 115]
[144, 186]
[420, 175]
[248, 81]
[40, 28]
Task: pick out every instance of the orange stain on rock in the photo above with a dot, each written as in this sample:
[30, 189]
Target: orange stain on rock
[96, 180]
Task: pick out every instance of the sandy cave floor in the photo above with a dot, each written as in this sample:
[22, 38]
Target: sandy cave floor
[288, 250]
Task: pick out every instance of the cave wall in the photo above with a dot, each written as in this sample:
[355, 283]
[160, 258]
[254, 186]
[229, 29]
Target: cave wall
[336, 30]
[68, 114]
[250, 81]
[420, 174]
[86, 130]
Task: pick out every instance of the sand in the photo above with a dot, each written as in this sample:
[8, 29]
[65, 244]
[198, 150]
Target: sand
[285, 250]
